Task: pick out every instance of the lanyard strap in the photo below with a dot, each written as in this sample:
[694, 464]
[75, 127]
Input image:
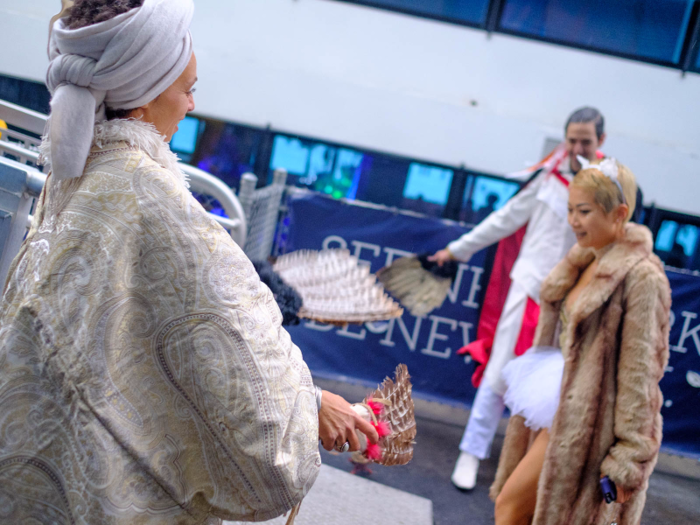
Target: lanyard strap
[555, 171]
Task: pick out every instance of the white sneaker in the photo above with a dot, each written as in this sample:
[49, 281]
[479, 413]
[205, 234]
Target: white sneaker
[464, 474]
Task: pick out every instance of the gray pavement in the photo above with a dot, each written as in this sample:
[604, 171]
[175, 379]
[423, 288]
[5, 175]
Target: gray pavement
[672, 499]
[339, 498]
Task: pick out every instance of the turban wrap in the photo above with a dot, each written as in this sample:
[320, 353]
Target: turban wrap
[122, 63]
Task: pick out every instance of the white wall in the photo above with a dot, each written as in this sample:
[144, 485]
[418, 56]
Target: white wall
[416, 87]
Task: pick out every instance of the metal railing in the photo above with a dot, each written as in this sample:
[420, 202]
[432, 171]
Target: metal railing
[19, 186]
[262, 208]
[21, 145]
[24, 148]
[204, 183]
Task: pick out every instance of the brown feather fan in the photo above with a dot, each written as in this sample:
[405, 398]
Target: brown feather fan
[417, 289]
[390, 406]
[392, 403]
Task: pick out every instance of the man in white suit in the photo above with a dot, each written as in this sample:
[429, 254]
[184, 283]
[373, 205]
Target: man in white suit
[542, 205]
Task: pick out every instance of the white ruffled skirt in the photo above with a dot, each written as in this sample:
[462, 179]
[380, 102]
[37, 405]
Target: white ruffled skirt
[534, 384]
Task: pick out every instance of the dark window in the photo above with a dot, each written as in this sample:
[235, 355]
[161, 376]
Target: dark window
[467, 11]
[676, 237]
[383, 180]
[677, 244]
[328, 169]
[185, 139]
[428, 187]
[25, 93]
[223, 149]
[650, 29]
[343, 172]
[483, 195]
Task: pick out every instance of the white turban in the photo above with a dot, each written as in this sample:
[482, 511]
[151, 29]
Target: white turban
[124, 63]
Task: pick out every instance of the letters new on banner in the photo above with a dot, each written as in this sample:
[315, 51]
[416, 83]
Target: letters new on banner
[428, 344]
[681, 384]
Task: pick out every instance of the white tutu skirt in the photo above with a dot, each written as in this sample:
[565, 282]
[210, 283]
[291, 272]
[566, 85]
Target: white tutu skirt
[534, 384]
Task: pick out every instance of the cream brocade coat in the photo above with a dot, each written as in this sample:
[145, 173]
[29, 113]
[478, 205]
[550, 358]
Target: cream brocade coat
[144, 373]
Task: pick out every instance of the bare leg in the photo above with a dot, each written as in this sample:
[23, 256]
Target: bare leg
[515, 504]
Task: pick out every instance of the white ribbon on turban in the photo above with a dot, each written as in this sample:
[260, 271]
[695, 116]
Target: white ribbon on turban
[122, 63]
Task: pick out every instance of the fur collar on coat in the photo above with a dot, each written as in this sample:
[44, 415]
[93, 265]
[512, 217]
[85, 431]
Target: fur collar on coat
[136, 134]
[608, 421]
[613, 267]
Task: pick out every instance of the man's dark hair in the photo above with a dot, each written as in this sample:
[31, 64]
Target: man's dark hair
[586, 115]
[88, 12]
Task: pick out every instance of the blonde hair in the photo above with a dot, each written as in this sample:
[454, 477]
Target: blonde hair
[606, 192]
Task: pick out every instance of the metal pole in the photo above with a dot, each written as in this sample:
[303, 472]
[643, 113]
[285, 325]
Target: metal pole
[18, 187]
[245, 194]
[279, 179]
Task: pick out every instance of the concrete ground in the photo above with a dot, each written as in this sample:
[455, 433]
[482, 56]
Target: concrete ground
[672, 499]
[339, 498]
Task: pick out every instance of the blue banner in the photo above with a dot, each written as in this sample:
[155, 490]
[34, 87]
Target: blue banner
[371, 351]
[681, 384]
[428, 345]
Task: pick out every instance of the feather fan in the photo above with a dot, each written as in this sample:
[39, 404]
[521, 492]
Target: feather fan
[390, 410]
[418, 284]
[335, 288]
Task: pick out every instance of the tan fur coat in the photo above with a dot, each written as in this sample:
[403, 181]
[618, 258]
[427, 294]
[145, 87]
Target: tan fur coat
[608, 421]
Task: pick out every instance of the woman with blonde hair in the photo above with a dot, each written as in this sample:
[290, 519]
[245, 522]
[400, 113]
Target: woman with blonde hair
[585, 400]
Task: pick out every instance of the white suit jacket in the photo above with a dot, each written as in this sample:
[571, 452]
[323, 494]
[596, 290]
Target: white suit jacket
[542, 205]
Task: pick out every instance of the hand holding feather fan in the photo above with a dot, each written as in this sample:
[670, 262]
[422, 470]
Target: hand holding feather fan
[417, 283]
[390, 410]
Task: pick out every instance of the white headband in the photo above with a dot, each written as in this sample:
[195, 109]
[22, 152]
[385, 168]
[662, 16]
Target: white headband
[124, 63]
[607, 167]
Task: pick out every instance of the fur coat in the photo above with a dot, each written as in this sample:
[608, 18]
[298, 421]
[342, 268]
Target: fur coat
[608, 421]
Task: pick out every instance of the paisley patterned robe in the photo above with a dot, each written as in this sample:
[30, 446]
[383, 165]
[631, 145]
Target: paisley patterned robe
[144, 373]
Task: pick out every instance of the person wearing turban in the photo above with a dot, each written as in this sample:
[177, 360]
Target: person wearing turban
[145, 377]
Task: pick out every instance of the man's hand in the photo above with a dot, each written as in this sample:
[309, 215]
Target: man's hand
[441, 257]
[337, 422]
